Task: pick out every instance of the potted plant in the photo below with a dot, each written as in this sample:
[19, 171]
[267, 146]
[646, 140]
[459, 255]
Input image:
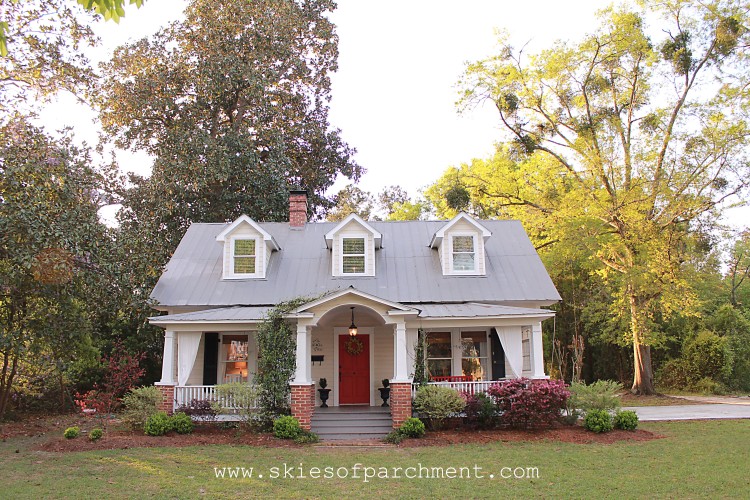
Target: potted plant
[324, 392]
[385, 391]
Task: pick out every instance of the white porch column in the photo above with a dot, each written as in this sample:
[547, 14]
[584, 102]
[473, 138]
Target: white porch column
[303, 373]
[537, 352]
[167, 366]
[400, 366]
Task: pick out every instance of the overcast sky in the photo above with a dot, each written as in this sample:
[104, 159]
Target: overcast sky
[395, 91]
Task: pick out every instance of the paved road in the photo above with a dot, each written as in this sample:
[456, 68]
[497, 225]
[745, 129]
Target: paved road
[691, 412]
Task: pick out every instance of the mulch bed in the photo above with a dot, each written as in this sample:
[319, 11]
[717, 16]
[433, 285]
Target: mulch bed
[48, 431]
[563, 434]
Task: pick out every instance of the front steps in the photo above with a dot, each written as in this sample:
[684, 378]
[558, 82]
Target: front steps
[351, 422]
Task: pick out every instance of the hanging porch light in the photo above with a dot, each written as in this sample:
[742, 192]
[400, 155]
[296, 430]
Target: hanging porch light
[352, 327]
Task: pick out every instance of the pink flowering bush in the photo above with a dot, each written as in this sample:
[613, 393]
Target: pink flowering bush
[523, 403]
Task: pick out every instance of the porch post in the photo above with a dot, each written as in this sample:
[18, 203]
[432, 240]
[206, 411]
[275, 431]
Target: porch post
[401, 383]
[400, 370]
[167, 365]
[167, 384]
[303, 373]
[303, 388]
[537, 351]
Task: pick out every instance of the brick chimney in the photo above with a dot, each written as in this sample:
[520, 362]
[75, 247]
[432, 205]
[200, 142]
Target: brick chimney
[297, 208]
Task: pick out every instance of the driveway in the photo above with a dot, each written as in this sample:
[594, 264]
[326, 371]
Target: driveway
[691, 412]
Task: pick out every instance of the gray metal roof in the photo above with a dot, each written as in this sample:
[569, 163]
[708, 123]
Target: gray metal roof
[407, 270]
[475, 310]
[249, 314]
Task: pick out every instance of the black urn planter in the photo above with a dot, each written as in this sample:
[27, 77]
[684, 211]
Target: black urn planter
[324, 393]
[385, 393]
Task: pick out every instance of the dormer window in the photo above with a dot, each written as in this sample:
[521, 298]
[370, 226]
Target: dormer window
[353, 255]
[247, 249]
[353, 243]
[460, 246]
[463, 254]
[244, 255]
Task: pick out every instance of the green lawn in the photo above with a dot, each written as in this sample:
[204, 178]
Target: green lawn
[695, 459]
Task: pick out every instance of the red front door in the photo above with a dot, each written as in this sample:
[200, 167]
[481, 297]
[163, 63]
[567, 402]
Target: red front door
[354, 370]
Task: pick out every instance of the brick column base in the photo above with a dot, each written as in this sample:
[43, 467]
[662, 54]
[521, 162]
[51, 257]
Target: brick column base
[400, 402]
[167, 394]
[303, 403]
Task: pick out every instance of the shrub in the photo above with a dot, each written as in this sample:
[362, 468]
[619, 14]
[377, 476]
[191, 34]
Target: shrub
[95, 434]
[307, 437]
[140, 404]
[412, 427]
[71, 432]
[626, 420]
[182, 423]
[199, 409]
[394, 437]
[481, 410]
[708, 385]
[601, 395]
[158, 424]
[243, 397]
[524, 404]
[598, 421]
[286, 427]
[438, 403]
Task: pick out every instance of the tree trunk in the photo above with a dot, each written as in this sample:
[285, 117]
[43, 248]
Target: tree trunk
[643, 373]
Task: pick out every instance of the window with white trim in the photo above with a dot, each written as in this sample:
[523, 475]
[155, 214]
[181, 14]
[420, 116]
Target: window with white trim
[463, 253]
[244, 256]
[353, 255]
[526, 347]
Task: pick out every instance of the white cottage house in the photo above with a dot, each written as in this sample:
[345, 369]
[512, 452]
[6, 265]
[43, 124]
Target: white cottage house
[477, 288]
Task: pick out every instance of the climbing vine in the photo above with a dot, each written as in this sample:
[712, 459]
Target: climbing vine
[420, 369]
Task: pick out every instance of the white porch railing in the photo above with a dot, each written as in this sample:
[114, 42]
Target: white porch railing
[468, 387]
[184, 394]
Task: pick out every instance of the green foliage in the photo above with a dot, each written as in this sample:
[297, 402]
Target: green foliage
[600, 395]
[71, 432]
[481, 410]
[182, 423]
[139, 404]
[241, 396]
[705, 363]
[598, 421]
[96, 434]
[626, 420]
[412, 427]
[232, 126]
[277, 346]
[158, 424]
[420, 377]
[351, 200]
[608, 185]
[52, 251]
[307, 437]
[438, 403]
[286, 427]
[394, 437]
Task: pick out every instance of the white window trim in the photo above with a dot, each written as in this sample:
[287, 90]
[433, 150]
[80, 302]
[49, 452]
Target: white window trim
[526, 351]
[368, 265]
[477, 256]
[230, 274]
[457, 348]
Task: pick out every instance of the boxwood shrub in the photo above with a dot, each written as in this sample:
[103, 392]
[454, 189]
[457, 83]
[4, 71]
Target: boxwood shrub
[598, 421]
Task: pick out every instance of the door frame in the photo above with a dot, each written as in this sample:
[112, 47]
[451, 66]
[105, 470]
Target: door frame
[339, 331]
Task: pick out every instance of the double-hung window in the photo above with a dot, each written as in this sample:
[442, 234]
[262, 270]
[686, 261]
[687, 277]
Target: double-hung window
[463, 254]
[244, 256]
[353, 255]
[526, 347]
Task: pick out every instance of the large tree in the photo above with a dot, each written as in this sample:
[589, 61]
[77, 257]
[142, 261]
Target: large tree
[53, 253]
[233, 105]
[650, 127]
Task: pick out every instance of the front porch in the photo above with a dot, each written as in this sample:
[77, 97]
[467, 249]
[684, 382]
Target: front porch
[465, 352]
